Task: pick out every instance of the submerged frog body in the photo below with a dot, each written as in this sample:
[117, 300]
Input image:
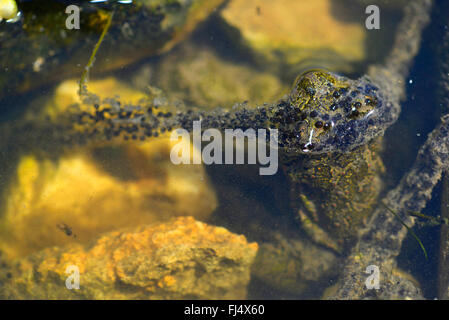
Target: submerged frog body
[334, 193]
[335, 176]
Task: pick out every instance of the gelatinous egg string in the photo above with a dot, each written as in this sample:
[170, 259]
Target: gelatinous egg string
[324, 113]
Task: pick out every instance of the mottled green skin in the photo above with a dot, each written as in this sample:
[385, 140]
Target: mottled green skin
[335, 113]
[336, 191]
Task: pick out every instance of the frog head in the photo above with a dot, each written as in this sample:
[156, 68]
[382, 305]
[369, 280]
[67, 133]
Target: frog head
[334, 113]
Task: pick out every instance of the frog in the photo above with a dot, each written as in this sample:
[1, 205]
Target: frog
[333, 192]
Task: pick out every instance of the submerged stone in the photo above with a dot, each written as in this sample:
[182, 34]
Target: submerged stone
[297, 34]
[201, 77]
[179, 259]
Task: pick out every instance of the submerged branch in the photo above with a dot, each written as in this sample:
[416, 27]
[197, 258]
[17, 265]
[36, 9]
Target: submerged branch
[380, 243]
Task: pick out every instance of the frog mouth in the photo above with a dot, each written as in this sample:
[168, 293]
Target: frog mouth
[309, 145]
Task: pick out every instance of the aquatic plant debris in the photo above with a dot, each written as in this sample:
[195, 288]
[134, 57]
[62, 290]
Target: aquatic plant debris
[431, 221]
[85, 75]
[409, 230]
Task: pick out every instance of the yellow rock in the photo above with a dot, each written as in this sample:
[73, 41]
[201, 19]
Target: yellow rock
[180, 259]
[302, 32]
[8, 9]
[97, 189]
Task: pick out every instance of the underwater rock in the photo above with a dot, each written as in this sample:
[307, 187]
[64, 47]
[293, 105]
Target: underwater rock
[400, 285]
[395, 284]
[98, 188]
[294, 265]
[38, 49]
[298, 34]
[200, 77]
[179, 259]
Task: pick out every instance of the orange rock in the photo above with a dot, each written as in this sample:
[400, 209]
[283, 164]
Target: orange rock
[180, 259]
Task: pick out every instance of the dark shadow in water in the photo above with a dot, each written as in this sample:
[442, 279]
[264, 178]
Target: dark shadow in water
[412, 259]
[13, 107]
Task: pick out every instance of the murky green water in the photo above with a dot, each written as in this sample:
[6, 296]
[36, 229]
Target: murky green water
[88, 179]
